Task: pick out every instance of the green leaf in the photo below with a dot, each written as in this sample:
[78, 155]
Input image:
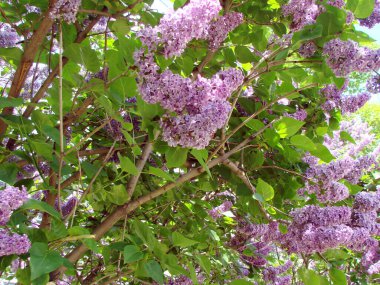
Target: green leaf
[10, 102]
[240, 282]
[33, 204]
[132, 253]
[332, 21]
[201, 155]
[265, 190]
[160, 173]
[322, 153]
[361, 8]
[205, 263]
[287, 127]
[43, 149]
[154, 271]
[347, 137]
[310, 277]
[83, 54]
[8, 173]
[303, 142]
[244, 55]
[176, 157]
[337, 277]
[182, 241]
[118, 195]
[43, 260]
[308, 33]
[127, 165]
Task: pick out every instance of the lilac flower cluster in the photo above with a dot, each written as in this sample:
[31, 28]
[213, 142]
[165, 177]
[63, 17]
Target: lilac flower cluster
[358, 130]
[307, 49]
[373, 84]
[344, 57]
[374, 18]
[179, 27]
[13, 243]
[244, 239]
[201, 105]
[299, 115]
[219, 29]
[217, 212]
[347, 104]
[271, 274]
[302, 12]
[8, 36]
[11, 198]
[67, 9]
[323, 178]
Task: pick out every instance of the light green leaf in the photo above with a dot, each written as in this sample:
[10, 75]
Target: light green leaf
[322, 153]
[303, 142]
[205, 263]
[265, 190]
[176, 157]
[181, 240]
[347, 137]
[244, 55]
[160, 173]
[338, 277]
[240, 282]
[132, 253]
[361, 8]
[287, 127]
[201, 155]
[127, 165]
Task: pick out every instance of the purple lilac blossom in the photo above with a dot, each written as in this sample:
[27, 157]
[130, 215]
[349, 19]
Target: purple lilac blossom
[219, 29]
[373, 84]
[299, 115]
[307, 49]
[13, 243]
[67, 9]
[303, 12]
[11, 198]
[337, 3]
[179, 27]
[8, 36]
[217, 212]
[373, 19]
[344, 57]
[271, 274]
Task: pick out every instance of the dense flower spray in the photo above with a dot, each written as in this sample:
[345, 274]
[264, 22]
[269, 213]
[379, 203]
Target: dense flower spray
[201, 104]
[12, 198]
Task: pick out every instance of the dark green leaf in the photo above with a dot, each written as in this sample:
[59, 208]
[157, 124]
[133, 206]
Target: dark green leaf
[303, 142]
[181, 240]
[176, 157]
[43, 260]
[154, 271]
[33, 204]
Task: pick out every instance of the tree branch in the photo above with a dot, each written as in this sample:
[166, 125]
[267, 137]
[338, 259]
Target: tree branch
[27, 59]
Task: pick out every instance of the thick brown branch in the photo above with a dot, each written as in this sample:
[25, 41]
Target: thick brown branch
[31, 48]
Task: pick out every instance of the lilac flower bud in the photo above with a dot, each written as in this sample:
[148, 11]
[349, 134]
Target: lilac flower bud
[217, 212]
[307, 49]
[11, 198]
[67, 9]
